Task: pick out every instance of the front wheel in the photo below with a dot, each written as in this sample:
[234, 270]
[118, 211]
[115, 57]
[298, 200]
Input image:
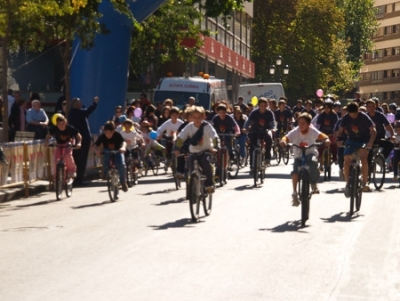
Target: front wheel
[378, 171]
[285, 155]
[112, 184]
[59, 180]
[304, 193]
[234, 165]
[129, 175]
[194, 197]
[353, 188]
[207, 203]
[256, 155]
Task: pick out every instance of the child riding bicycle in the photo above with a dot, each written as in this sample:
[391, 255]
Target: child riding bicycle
[304, 135]
[64, 134]
[111, 140]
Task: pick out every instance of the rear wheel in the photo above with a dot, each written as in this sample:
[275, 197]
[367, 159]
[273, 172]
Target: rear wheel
[353, 189]
[194, 197]
[285, 155]
[327, 164]
[304, 193]
[378, 171]
[59, 180]
[207, 203]
[278, 154]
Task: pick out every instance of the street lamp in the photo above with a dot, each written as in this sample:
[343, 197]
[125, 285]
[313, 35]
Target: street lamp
[279, 69]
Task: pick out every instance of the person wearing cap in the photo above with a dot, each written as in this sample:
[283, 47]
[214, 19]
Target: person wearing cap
[37, 120]
[191, 101]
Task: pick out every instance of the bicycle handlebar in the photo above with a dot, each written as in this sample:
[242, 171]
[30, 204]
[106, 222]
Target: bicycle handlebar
[305, 146]
[62, 146]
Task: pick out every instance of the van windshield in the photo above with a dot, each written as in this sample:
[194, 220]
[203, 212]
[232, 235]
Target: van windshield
[182, 98]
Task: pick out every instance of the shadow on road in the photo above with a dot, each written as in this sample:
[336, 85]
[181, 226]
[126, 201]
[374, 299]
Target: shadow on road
[277, 175]
[244, 187]
[392, 187]
[38, 203]
[91, 205]
[287, 227]
[177, 201]
[181, 223]
[336, 190]
[341, 217]
[160, 191]
[153, 180]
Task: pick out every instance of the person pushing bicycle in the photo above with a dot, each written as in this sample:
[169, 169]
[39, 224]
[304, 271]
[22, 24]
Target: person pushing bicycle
[304, 135]
[64, 134]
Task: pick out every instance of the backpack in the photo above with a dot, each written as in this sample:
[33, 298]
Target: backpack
[196, 138]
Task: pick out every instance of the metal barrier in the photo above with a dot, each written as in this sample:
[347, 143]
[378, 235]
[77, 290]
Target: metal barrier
[30, 161]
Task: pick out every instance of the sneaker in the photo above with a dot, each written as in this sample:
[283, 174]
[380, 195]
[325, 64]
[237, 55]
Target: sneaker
[124, 187]
[295, 199]
[347, 191]
[314, 189]
[71, 175]
[366, 188]
[210, 189]
[3, 160]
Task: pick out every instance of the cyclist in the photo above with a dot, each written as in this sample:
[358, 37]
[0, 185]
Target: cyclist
[240, 119]
[361, 132]
[304, 135]
[132, 138]
[203, 137]
[64, 134]
[284, 118]
[170, 128]
[382, 125]
[309, 108]
[180, 169]
[112, 140]
[342, 139]
[298, 107]
[326, 122]
[150, 143]
[337, 107]
[260, 120]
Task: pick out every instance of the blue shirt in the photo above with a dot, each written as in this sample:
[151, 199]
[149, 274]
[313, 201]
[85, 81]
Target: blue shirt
[357, 129]
[38, 116]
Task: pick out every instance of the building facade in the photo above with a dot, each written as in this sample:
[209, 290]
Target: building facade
[380, 76]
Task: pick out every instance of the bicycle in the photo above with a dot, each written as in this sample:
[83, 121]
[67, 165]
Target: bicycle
[377, 168]
[280, 153]
[303, 185]
[327, 163]
[152, 161]
[355, 184]
[174, 160]
[62, 181]
[112, 176]
[229, 165]
[196, 190]
[132, 171]
[259, 159]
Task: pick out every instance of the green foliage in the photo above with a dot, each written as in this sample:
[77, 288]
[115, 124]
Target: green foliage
[311, 37]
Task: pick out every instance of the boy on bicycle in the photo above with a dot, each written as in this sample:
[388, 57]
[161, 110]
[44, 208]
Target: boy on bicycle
[304, 135]
[111, 140]
[132, 139]
[361, 135]
[64, 134]
[203, 139]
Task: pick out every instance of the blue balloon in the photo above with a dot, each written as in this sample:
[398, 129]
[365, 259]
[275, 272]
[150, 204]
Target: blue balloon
[153, 135]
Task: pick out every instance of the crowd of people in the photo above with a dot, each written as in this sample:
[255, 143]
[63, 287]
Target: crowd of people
[358, 126]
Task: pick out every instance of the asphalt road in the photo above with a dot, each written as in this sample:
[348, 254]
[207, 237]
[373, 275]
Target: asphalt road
[252, 247]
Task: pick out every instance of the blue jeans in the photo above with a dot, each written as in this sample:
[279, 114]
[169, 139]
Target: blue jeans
[119, 161]
[312, 162]
[242, 143]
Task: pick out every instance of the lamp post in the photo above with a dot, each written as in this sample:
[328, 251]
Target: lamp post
[278, 69]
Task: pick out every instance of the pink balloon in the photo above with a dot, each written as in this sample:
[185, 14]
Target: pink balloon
[137, 112]
[320, 92]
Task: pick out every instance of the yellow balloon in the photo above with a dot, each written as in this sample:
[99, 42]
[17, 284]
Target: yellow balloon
[54, 118]
[254, 100]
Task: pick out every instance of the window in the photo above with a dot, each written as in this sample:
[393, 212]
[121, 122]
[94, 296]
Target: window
[389, 8]
[396, 73]
[380, 11]
[387, 52]
[388, 30]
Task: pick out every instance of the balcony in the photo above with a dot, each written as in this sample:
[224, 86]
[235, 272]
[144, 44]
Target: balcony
[380, 60]
[380, 81]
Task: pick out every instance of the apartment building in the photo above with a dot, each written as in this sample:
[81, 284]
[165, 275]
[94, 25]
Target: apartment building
[380, 76]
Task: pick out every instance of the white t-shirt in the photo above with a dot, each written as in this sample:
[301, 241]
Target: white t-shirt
[296, 137]
[130, 138]
[169, 127]
[206, 143]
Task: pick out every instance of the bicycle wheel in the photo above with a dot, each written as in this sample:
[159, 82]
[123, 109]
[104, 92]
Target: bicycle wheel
[245, 159]
[278, 154]
[285, 155]
[129, 175]
[304, 193]
[222, 170]
[59, 180]
[234, 165]
[353, 188]
[378, 171]
[262, 168]
[359, 192]
[68, 187]
[207, 203]
[256, 154]
[327, 163]
[194, 197]
[156, 166]
[112, 185]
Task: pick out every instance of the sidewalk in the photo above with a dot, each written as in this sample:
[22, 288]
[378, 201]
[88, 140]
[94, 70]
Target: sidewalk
[37, 187]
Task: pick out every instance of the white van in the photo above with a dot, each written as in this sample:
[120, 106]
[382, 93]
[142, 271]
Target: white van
[267, 90]
[206, 90]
